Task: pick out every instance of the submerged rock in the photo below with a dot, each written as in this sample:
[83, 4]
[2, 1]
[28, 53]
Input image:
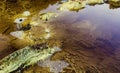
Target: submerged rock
[114, 0]
[25, 57]
[72, 5]
[62, 1]
[93, 2]
[114, 4]
[47, 16]
[55, 66]
[27, 27]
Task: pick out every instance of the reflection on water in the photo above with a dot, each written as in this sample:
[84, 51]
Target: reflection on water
[90, 39]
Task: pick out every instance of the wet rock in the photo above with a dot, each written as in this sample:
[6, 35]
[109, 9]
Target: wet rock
[47, 16]
[93, 2]
[72, 5]
[26, 13]
[114, 4]
[18, 34]
[114, 0]
[27, 27]
[34, 23]
[40, 46]
[19, 22]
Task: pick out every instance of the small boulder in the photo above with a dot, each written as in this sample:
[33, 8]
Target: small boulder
[93, 2]
[17, 34]
[47, 16]
[72, 5]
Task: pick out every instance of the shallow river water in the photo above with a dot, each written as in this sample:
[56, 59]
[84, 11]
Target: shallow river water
[89, 39]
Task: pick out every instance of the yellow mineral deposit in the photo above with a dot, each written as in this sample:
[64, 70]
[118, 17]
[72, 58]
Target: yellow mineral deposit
[26, 13]
[114, 0]
[47, 16]
[25, 57]
[47, 30]
[47, 36]
[72, 5]
[34, 23]
[95, 2]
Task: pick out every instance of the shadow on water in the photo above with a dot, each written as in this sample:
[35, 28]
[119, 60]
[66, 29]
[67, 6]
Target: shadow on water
[91, 37]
